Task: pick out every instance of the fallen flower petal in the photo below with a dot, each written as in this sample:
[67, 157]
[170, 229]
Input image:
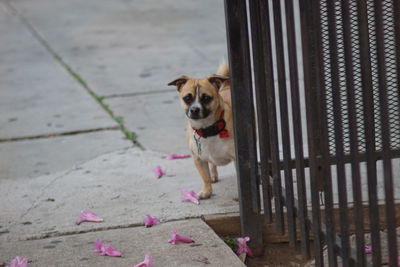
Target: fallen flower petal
[368, 249]
[109, 251]
[149, 221]
[99, 246]
[177, 156]
[175, 238]
[158, 172]
[18, 262]
[147, 262]
[189, 196]
[243, 248]
[88, 216]
[105, 251]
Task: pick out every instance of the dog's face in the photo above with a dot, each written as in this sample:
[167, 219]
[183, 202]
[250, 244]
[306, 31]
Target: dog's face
[199, 97]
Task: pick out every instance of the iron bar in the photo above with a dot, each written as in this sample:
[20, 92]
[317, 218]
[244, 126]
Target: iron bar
[258, 45]
[355, 164]
[311, 85]
[297, 129]
[369, 128]
[337, 111]
[245, 138]
[324, 142]
[272, 118]
[385, 135]
[284, 119]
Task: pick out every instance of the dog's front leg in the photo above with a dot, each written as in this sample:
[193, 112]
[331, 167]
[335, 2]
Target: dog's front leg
[202, 167]
[213, 172]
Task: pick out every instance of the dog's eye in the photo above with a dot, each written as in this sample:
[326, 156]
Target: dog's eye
[205, 98]
[188, 98]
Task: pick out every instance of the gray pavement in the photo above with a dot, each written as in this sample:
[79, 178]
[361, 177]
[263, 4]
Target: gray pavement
[65, 68]
[133, 243]
[157, 115]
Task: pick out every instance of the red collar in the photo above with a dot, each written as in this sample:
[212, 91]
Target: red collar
[217, 128]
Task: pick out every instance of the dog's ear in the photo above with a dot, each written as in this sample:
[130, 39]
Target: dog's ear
[179, 82]
[217, 80]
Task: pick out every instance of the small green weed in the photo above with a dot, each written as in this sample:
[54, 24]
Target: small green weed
[129, 135]
[119, 119]
[231, 242]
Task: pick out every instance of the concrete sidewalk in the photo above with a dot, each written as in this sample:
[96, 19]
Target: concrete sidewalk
[77, 78]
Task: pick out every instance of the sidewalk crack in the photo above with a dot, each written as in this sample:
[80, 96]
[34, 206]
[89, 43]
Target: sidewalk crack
[128, 134]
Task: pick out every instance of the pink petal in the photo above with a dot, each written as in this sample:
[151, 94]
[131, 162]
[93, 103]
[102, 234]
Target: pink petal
[147, 262]
[99, 246]
[189, 196]
[177, 156]
[241, 242]
[105, 251]
[111, 252]
[175, 238]
[88, 216]
[149, 221]
[158, 172]
[18, 262]
[368, 249]
[398, 260]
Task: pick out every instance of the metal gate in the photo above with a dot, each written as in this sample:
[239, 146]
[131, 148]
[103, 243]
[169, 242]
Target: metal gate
[316, 101]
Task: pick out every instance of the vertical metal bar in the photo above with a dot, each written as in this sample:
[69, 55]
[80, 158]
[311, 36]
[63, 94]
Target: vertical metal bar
[284, 121]
[387, 163]
[337, 112]
[311, 73]
[261, 96]
[275, 168]
[369, 128]
[396, 19]
[245, 137]
[297, 130]
[355, 164]
[324, 142]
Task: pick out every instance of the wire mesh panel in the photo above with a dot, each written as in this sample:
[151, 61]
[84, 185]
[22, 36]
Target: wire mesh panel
[321, 79]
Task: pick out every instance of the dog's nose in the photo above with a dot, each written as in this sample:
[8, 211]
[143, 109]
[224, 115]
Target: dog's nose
[194, 110]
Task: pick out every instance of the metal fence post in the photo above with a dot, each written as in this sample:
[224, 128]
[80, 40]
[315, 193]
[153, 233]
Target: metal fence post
[244, 121]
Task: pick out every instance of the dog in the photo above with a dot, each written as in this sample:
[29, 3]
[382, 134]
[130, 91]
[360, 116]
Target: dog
[209, 134]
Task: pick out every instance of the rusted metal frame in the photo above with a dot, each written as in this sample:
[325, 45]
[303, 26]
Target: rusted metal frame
[297, 130]
[283, 105]
[338, 120]
[353, 132]
[258, 46]
[347, 158]
[245, 136]
[369, 128]
[311, 86]
[323, 229]
[385, 135]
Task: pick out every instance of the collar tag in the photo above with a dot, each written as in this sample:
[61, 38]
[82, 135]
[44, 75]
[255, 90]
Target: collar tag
[197, 140]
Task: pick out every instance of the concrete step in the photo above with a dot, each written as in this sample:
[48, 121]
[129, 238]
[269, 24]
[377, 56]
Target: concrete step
[77, 250]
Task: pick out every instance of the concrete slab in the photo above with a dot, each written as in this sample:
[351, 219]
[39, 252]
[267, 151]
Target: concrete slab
[77, 250]
[127, 46]
[157, 119]
[120, 187]
[37, 95]
[30, 158]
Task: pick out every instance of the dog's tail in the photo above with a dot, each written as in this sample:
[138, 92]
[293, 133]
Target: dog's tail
[223, 69]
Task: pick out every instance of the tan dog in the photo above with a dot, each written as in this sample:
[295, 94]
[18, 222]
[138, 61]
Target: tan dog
[207, 104]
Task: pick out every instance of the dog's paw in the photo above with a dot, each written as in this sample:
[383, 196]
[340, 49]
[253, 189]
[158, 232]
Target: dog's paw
[214, 179]
[204, 194]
